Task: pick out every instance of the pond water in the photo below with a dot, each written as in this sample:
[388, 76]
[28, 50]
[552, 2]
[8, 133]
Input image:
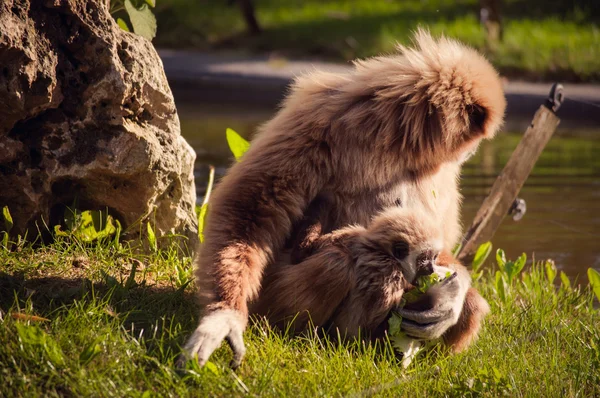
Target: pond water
[562, 193]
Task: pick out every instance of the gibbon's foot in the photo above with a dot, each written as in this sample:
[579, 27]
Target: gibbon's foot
[444, 303]
[215, 327]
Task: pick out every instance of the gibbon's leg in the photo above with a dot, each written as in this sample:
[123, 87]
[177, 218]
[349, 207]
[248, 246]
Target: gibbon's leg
[462, 327]
[309, 291]
[252, 210]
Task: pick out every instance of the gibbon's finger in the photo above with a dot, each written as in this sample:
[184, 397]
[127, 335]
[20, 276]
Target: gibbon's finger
[211, 332]
[236, 342]
[429, 331]
[425, 317]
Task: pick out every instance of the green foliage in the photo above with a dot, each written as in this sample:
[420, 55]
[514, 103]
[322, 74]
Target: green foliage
[90, 352]
[201, 220]
[151, 237]
[139, 15]
[594, 277]
[237, 144]
[8, 224]
[89, 226]
[483, 252]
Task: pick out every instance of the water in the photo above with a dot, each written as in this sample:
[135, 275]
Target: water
[562, 193]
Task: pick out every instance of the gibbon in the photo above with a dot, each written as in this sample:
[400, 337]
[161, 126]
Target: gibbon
[393, 131]
[355, 276]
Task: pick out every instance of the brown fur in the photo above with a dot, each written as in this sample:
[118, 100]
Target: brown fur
[351, 282]
[342, 148]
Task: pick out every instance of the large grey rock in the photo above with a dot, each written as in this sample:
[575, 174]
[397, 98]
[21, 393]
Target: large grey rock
[86, 114]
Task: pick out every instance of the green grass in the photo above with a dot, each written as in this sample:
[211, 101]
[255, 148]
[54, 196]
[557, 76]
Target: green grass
[109, 331]
[543, 40]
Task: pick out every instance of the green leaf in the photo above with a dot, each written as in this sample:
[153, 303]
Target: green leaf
[151, 3]
[566, 283]
[514, 267]
[142, 20]
[550, 270]
[8, 221]
[482, 253]
[594, 277]
[151, 237]
[201, 220]
[500, 258]
[34, 336]
[456, 249]
[122, 24]
[500, 287]
[211, 367]
[90, 352]
[237, 144]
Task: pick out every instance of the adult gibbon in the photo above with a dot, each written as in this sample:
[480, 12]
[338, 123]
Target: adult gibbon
[393, 131]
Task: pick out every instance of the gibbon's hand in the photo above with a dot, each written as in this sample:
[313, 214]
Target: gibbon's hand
[215, 327]
[444, 305]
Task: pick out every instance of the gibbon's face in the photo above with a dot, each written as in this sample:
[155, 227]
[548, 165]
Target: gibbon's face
[406, 239]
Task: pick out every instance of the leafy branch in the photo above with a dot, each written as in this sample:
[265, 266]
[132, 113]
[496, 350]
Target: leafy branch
[136, 14]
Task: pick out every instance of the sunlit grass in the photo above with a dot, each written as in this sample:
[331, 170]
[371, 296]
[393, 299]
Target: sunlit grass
[111, 332]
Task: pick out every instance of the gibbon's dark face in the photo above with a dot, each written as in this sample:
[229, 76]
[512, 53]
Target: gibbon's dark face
[406, 238]
[415, 261]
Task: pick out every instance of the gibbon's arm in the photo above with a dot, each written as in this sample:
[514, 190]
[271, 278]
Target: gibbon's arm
[307, 292]
[459, 329]
[251, 212]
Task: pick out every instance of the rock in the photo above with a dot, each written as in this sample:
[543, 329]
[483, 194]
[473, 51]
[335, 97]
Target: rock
[86, 115]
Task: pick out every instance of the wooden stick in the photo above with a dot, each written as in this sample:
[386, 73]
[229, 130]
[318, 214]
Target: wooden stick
[508, 184]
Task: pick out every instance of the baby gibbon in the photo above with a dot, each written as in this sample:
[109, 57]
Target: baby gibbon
[355, 276]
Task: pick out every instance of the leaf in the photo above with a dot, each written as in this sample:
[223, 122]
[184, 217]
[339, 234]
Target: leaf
[550, 270]
[456, 249]
[151, 3]
[142, 20]
[211, 367]
[90, 352]
[151, 237]
[500, 258]
[482, 253]
[201, 220]
[566, 283]
[34, 336]
[26, 317]
[237, 144]
[513, 268]
[8, 221]
[594, 277]
[500, 288]
[122, 24]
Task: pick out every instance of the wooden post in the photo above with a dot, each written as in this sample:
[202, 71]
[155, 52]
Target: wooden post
[508, 184]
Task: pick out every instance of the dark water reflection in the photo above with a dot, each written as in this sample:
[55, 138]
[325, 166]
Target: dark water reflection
[562, 194]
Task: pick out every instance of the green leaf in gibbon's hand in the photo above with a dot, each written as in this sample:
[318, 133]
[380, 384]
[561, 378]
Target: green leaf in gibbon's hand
[142, 20]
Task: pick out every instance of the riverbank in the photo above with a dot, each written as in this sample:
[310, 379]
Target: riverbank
[97, 319]
[543, 40]
[197, 77]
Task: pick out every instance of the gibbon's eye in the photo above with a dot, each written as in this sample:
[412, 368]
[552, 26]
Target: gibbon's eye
[400, 250]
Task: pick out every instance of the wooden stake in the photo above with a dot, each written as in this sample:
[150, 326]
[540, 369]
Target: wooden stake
[508, 184]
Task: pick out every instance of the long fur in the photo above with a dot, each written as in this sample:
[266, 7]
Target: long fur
[393, 131]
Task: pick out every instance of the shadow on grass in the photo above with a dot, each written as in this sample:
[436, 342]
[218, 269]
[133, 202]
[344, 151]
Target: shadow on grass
[169, 314]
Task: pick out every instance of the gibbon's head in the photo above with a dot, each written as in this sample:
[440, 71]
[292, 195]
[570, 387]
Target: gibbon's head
[404, 238]
[437, 99]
